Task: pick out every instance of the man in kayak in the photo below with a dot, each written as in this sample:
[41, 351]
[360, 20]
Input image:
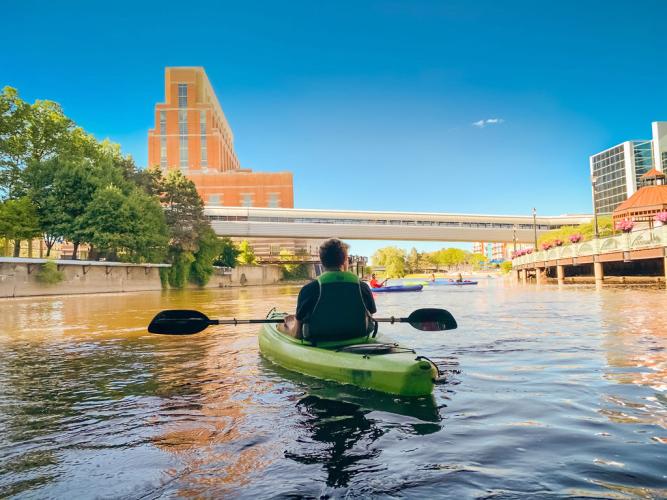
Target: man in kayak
[374, 283]
[334, 306]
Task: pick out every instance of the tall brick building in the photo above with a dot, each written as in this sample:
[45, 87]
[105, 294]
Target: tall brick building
[192, 134]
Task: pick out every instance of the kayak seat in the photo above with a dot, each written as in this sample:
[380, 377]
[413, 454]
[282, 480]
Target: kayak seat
[374, 349]
[340, 313]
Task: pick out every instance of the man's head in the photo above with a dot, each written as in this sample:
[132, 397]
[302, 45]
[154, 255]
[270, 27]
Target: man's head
[333, 254]
[373, 275]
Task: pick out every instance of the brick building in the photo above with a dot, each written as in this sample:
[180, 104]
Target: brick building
[192, 134]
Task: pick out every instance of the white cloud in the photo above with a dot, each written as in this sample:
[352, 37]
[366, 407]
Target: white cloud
[488, 121]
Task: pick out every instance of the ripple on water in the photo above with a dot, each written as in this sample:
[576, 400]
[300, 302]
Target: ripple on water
[550, 393]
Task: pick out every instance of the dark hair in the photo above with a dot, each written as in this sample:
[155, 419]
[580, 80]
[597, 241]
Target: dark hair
[333, 253]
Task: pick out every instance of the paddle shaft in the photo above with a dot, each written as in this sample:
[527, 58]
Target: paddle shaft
[235, 321]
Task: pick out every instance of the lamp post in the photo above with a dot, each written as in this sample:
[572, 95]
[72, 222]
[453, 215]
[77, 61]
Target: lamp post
[594, 179]
[535, 226]
[514, 236]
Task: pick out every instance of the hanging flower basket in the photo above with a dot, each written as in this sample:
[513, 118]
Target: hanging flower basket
[661, 217]
[625, 225]
[558, 243]
[575, 238]
[546, 245]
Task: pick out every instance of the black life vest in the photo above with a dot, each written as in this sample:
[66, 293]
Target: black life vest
[340, 312]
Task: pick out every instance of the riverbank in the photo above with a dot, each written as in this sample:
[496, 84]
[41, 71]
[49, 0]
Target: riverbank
[23, 277]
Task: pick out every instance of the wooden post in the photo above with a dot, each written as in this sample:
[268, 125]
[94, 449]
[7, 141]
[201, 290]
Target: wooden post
[560, 274]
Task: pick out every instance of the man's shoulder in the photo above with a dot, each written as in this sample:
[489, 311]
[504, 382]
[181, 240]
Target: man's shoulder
[310, 287]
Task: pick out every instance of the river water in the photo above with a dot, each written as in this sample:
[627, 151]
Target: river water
[550, 393]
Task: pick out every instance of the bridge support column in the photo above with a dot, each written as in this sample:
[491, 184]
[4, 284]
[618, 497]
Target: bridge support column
[522, 275]
[560, 274]
[539, 276]
[665, 269]
[598, 272]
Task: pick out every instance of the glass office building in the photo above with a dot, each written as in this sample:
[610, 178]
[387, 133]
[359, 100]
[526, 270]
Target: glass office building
[617, 170]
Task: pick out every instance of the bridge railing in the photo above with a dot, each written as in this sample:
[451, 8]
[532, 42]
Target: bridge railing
[622, 242]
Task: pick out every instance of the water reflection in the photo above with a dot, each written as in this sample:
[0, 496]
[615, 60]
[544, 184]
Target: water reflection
[550, 392]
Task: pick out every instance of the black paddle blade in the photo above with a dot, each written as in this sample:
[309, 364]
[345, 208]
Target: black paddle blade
[432, 320]
[178, 322]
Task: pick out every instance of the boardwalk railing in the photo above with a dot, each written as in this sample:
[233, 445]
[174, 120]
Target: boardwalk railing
[622, 242]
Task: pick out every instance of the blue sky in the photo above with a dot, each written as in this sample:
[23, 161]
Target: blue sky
[381, 96]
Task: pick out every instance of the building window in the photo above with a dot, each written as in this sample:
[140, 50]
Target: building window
[183, 122]
[182, 95]
[163, 139]
[204, 145]
[163, 152]
[246, 199]
[214, 199]
[274, 200]
[184, 151]
[183, 137]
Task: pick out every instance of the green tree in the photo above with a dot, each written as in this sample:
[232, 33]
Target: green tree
[18, 221]
[184, 211]
[228, 253]
[246, 255]
[149, 233]
[179, 272]
[209, 247]
[477, 260]
[30, 133]
[393, 260]
[107, 222]
[293, 270]
[13, 140]
[413, 261]
[506, 266]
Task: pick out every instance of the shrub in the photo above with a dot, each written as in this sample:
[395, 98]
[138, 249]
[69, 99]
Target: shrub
[180, 269]
[49, 274]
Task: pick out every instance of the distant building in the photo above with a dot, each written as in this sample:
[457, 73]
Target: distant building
[192, 134]
[617, 170]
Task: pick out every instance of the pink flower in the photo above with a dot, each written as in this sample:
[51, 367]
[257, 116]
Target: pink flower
[625, 225]
[575, 238]
[546, 245]
[558, 243]
[661, 217]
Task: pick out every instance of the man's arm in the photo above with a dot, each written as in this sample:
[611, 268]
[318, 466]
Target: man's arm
[367, 297]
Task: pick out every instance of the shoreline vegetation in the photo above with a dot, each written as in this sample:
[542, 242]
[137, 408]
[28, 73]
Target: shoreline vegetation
[61, 185]
[398, 263]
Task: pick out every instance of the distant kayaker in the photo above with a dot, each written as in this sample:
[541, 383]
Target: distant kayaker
[336, 305]
[374, 283]
[459, 279]
[432, 280]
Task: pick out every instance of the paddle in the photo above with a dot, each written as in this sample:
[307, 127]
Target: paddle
[185, 322]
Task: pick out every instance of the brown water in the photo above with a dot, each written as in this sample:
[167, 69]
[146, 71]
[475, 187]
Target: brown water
[551, 393]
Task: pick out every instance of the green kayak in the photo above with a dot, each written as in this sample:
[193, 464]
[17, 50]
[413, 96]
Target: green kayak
[370, 363]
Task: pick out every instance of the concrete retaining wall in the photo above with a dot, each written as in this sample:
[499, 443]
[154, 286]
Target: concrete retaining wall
[18, 277]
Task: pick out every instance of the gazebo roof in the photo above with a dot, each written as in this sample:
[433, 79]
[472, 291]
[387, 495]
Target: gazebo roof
[647, 200]
[653, 174]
